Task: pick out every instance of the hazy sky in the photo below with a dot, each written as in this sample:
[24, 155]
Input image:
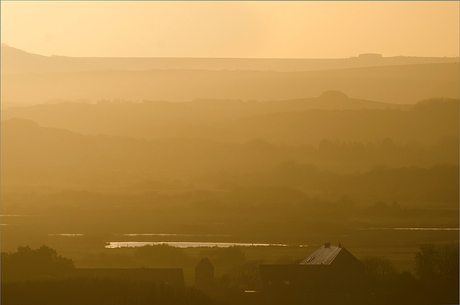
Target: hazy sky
[322, 29]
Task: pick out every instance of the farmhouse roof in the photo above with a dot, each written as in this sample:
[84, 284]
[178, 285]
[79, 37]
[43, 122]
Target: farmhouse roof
[324, 255]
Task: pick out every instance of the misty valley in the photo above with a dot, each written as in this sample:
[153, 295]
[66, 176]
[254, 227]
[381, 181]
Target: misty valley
[192, 182]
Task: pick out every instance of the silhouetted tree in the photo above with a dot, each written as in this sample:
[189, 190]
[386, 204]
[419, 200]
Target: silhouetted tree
[379, 267]
[242, 276]
[231, 256]
[438, 271]
[26, 263]
[426, 264]
[161, 255]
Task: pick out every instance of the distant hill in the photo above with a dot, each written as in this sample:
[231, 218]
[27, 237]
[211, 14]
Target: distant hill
[16, 61]
[29, 79]
[418, 125]
[334, 100]
[37, 157]
[126, 118]
[339, 140]
[428, 122]
[297, 122]
[392, 84]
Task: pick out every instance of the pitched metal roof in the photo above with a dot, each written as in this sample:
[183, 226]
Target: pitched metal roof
[324, 255]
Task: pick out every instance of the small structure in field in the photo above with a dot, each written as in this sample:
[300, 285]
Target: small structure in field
[329, 269]
[204, 274]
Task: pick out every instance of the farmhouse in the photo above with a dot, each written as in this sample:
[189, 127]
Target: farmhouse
[331, 269]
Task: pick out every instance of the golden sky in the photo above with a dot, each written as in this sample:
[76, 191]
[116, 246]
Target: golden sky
[297, 29]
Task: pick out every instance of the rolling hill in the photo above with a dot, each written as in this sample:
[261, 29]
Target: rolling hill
[16, 61]
[36, 81]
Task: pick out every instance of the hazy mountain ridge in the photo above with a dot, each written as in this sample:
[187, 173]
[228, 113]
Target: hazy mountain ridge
[16, 61]
[33, 156]
[56, 155]
[127, 118]
[289, 122]
[397, 84]
[400, 84]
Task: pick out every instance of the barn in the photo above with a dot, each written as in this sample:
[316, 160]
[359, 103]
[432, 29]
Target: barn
[329, 269]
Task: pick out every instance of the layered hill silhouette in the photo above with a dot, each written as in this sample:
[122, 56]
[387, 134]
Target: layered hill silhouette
[127, 118]
[29, 79]
[124, 121]
[44, 158]
[16, 61]
[298, 122]
[345, 141]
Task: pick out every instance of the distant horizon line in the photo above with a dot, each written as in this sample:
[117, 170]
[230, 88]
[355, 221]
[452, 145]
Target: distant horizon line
[372, 55]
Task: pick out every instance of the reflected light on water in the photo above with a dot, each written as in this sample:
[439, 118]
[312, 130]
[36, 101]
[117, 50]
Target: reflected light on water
[169, 234]
[131, 244]
[412, 229]
[66, 234]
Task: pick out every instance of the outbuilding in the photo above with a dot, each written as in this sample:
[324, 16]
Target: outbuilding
[329, 269]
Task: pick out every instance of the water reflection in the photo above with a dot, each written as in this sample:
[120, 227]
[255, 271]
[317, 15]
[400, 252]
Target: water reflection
[171, 234]
[412, 229]
[184, 244]
[67, 234]
[14, 215]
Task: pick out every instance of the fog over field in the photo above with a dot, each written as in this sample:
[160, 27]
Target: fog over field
[171, 170]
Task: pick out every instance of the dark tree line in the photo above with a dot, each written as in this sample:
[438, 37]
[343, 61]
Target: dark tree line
[436, 279]
[41, 263]
[42, 270]
[100, 292]
[437, 268]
